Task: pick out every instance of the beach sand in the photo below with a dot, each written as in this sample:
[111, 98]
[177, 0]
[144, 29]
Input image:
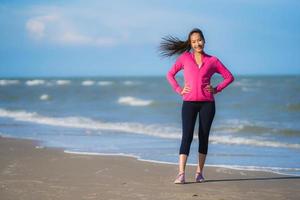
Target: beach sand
[31, 173]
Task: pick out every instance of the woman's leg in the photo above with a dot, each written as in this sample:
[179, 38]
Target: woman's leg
[206, 116]
[189, 115]
[201, 162]
[182, 163]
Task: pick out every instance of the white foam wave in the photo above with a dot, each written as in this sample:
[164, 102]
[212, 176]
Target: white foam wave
[233, 140]
[105, 83]
[277, 170]
[9, 82]
[86, 123]
[247, 89]
[240, 83]
[87, 83]
[63, 82]
[35, 82]
[130, 82]
[132, 101]
[156, 130]
[258, 168]
[100, 154]
[247, 83]
[237, 125]
[44, 97]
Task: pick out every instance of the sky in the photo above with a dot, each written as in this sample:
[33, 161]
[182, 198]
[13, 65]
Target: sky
[40, 38]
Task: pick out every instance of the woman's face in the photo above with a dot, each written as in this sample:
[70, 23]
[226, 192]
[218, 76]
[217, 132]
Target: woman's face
[197, 42]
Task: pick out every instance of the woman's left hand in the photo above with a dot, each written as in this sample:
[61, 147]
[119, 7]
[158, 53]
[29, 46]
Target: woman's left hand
[211, 89]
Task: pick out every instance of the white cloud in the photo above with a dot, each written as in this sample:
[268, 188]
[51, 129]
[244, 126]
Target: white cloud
[36, 28]
[52, 26]
[114, 23]
[95, 24]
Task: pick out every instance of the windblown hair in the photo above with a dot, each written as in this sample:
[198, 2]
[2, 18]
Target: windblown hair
[172, 45]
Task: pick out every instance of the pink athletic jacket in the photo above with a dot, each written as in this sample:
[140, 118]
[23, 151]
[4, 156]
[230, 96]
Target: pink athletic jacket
[198, 77]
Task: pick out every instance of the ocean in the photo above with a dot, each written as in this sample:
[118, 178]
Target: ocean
[256, 126]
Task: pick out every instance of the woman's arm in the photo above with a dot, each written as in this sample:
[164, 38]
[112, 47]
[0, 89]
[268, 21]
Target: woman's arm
[171, 75]
[225, 73]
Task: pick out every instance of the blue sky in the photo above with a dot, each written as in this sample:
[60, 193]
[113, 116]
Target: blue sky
[105, 38]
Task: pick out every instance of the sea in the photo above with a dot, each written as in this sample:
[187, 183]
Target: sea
[256, 125]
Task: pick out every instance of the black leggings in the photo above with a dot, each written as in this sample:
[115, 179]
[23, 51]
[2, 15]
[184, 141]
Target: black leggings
[190, 109]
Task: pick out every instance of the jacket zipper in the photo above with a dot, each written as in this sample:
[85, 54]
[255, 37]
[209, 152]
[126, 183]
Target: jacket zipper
[198, 71]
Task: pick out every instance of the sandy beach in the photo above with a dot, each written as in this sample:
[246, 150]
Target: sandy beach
[28, 172]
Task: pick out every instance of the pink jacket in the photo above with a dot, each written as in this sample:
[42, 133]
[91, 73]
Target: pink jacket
[198, 77]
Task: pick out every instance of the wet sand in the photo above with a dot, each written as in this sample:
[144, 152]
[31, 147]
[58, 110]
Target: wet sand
[31, 173]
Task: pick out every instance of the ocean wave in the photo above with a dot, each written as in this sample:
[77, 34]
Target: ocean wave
[87, 83]
[63, 82]
[247, 89]
[277, 170]
[131, 82]
[233, 140]
[247, 84]
[5, 82]
[44, 97]
[35, 82]
[157, 130]
[132, 101]
[86, 123]
[105, 83]
[257, 127]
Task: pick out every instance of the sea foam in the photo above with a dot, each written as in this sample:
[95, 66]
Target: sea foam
[63, 82]
[44, 97]
[157, 130]
[35, 82]
[9, 82]
[105, 83]
[88, 83]
[133, 101]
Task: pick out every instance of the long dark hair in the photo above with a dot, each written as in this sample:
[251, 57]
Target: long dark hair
[172, 45]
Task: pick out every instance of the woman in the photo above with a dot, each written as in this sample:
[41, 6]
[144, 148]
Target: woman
[197, 93]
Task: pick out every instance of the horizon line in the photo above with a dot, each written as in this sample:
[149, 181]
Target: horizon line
[119, 76]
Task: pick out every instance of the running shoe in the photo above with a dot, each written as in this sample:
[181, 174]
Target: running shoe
[180, 179]
[199, 177]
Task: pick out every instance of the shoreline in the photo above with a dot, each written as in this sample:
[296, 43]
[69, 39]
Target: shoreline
[232, 167]
[30, 172]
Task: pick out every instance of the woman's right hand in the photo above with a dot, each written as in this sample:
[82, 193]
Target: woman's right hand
[186, 89]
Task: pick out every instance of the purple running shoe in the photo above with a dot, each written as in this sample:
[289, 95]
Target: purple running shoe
[180, 179]
[199, 177]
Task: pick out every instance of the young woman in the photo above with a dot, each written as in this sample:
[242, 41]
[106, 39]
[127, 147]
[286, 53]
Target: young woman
[197, 93]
